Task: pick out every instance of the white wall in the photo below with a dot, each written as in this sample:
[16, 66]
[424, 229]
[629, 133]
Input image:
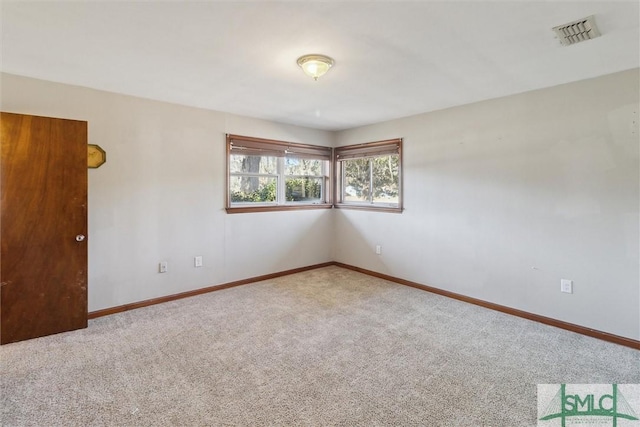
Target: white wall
[505, 197]
[161, 195]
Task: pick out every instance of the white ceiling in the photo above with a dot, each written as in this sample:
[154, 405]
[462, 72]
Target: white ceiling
[393, 58]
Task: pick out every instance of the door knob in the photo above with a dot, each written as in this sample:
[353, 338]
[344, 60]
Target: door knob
[79, 237]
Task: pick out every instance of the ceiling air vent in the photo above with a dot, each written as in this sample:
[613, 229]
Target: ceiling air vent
[577, 31]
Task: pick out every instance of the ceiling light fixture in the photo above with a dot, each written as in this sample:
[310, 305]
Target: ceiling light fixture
[315, 65]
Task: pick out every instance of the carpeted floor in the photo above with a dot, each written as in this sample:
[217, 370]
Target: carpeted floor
[325, 347]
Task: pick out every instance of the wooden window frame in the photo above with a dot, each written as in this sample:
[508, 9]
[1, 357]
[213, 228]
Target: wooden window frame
[357, 151]
[280, 149]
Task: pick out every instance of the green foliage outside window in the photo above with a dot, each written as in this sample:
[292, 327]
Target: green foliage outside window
[263, 194]
[379, 173]
[296, 190]
[254, 179]
[303, 189]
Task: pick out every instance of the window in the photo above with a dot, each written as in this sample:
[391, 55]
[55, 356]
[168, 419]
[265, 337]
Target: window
[369, 176]
[266, 175]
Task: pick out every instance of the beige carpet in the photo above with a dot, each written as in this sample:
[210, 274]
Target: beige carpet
[325, 347]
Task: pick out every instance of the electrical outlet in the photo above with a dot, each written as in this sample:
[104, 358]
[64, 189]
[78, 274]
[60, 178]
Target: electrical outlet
[164, 265]
[197, 261]
[378, 249]
[566, 286]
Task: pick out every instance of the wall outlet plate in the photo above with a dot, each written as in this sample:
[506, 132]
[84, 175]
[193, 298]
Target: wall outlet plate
[163, 267]
[197, 261]
[566, 286]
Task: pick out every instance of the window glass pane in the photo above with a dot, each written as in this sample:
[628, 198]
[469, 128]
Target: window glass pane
[356, 180]
[240, 163]
[303, 189]
[257, 189]
[296, 166]
[267, 175]
[385, 179]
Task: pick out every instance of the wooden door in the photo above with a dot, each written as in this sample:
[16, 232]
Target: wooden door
[43, 224]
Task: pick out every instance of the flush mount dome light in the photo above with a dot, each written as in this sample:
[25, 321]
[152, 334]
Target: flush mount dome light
[315, 65]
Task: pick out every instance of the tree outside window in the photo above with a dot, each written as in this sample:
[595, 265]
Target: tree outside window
[266, 175]
[276, 175]
[369, 176]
